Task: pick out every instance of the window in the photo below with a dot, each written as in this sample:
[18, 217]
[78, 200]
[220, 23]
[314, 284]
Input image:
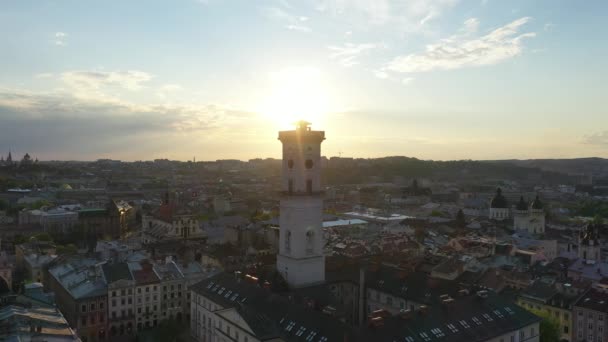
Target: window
[147, 289]
[565, 329]
[113, 302]
[389, 300]
[113, 293]
[309, 186]
[290, 163]
[290, 186]
[154, 288]
[83, 321]
[83, 308]
[308, 164]
[101, 318]
[138, 310]
[122, 292]
[122, 301]
[139, 290]
[113, 314]
[100, 305]
[228, 330]
[522, 335]
[532, 331]
[130, 301]
[93, 307]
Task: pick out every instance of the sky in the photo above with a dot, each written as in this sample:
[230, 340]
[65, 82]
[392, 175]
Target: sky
[216, 79]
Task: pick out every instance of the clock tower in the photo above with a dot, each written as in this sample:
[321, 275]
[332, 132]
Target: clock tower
[301, 260]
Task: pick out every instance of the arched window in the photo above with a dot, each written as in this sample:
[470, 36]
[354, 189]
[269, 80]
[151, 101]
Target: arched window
[287, 241]
[310, 241]
[308, 163]
[290, 163]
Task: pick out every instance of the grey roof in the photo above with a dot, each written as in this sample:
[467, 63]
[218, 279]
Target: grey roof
[468, 318]
[16, 324]
[539, 291]
[80, 278]
[116, 271]
[269, 314]
[593, 300]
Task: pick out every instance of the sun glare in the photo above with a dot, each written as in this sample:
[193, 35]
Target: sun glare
[295, 94]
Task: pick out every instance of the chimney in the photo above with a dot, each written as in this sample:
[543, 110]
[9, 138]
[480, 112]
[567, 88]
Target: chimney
[422, 309]
[405, 314]
[376, 322]
[483, 294]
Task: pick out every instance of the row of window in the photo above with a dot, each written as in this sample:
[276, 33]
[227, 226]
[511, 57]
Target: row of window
[91, 319]
[92, 306]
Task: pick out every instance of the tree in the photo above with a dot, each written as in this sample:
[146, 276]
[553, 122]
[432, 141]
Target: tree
[420, 234]
[43, 237]
[549, 326]
[460, 219]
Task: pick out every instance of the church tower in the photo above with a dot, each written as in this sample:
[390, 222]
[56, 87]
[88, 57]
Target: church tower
[301, 260]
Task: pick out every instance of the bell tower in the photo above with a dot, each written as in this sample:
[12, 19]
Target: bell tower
[301, 260]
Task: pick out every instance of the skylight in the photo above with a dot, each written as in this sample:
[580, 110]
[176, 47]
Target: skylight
[476, 320]
[300, 331]
[311, 336]
[290, 326]
[452, 328]
[464, 324]
[499, 314]
[487, 317]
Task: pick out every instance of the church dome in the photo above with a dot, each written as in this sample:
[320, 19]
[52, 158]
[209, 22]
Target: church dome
[537, 204]
[499, 201]
[522, 205]
[588, 234]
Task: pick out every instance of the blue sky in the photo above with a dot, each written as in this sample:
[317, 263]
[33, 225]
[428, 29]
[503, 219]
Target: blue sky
[436, 79]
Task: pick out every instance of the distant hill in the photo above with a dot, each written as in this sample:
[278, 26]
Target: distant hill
[598, 167]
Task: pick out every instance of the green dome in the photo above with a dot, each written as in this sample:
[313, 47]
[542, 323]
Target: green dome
[499, 201]
[522, 205]
[537, 204]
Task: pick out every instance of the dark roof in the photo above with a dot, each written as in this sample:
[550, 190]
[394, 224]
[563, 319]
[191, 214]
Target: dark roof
[416, 286]
[594, 300]
[522, 205]
[469, 318]
[590, 233]
[270, 314]
[499, 201]
[145, 276]
[537, 204]
[117, 271]
[539, 291]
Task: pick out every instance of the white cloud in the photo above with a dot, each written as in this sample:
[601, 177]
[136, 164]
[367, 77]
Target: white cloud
[292, 22]
[44, 75]
[59, 38]
[599, 139]
[347, 54]
[460, 51]
[407, 80]
[471, 25]
[130, 79]
[405, 15]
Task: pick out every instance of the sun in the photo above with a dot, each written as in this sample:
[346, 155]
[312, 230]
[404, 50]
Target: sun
[296, 93]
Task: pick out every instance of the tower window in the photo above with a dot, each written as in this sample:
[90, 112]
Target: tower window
[308, 163]
[288, 241]
[309, 186]
[290, 163]
[290, 186]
